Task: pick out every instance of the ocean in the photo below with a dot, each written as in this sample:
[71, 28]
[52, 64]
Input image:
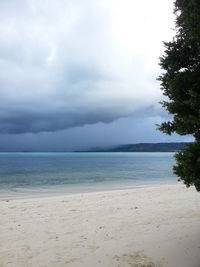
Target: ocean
[29, 174]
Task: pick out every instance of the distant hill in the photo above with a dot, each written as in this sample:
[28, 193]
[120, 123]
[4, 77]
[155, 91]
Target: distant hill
[143, 147]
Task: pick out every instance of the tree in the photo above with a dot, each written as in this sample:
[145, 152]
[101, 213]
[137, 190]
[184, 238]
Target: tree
[180, 83]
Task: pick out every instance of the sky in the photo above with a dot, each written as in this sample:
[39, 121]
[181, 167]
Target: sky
[81, 73]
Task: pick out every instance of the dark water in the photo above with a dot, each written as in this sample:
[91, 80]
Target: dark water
[27, 173]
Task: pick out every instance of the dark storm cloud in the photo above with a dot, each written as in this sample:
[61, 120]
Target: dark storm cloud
[121, 131]
[50, 122]
[71, 63]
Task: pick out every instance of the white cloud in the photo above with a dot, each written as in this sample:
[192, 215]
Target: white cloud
[74, 62]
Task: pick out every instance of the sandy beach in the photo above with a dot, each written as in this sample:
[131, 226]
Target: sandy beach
[152, 226]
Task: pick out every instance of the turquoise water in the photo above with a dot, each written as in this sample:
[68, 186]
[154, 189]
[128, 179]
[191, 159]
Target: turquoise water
[29, 173]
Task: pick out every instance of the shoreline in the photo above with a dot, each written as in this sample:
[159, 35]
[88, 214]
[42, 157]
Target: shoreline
[13, 195]
[153, 226]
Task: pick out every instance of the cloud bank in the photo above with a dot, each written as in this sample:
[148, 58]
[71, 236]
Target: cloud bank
[76, 62]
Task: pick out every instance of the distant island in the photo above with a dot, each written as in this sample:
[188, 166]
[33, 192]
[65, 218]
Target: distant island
[143, 147]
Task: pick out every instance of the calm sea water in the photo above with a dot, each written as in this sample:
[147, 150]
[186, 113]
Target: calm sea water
[34, 173]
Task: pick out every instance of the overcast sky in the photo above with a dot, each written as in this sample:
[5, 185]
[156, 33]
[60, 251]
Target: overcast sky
[79, 73]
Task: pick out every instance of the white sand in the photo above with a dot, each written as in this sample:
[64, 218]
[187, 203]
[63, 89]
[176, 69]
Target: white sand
[157, 226]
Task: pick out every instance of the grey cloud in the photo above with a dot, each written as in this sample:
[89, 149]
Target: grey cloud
[68, 63]
[23, 123]
[121, 131]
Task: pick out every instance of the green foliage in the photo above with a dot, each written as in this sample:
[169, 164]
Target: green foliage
[180, 82]
[188, 165]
